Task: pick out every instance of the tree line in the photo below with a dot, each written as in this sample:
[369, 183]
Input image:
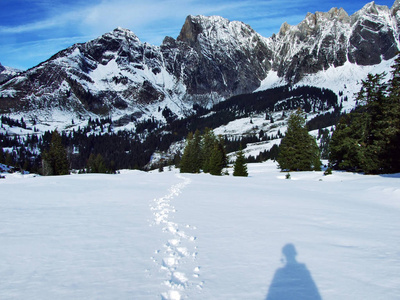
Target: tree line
[206, 152]
[368, 139]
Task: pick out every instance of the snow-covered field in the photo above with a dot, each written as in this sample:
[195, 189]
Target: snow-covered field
[167, 235]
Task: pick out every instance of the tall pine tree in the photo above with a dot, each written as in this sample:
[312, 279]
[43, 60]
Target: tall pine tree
[240, 167]
[55, 160]
[298, 150]
[207, 146]
[218, 159]
[191, 158]
[346, 141]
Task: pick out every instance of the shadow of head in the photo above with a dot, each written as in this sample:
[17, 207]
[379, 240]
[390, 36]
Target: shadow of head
[289, 251]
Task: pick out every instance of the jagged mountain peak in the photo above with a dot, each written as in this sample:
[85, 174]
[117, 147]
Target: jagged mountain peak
[285, 27]
[395, 6]
[190, 30]
[214, 28]
[371, 10]
[314, 24]
[122, 33]
[313, 21]
[212, 23]
[115, 38]
[396, 3]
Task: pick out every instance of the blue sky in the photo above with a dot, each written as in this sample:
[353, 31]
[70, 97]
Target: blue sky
[31, 31]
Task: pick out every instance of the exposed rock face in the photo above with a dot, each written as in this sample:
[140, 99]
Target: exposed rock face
[313, 45]
[234, 57]
[330, 39]
[372, 39]
[211, 59]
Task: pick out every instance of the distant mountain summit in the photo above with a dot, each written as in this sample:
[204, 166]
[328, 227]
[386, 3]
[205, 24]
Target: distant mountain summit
[211, 60]
[323, 40]
[7, 72]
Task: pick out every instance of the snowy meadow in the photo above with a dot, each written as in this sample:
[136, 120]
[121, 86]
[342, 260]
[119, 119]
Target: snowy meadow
[167, 235]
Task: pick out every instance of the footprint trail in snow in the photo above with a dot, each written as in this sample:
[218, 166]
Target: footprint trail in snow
[178, 254]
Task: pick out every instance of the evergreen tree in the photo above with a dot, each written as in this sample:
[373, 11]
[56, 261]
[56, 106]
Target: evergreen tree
[2, 156]
[298, 149]
[393, 147]
[374, 98]
[324, 143]
[96, 164]
[8, 159]
[197, 159]
[240, 167]
[186, 156]
[55, 160]
[207, 147]
[218, 159]
[191, 158]
[345, 144]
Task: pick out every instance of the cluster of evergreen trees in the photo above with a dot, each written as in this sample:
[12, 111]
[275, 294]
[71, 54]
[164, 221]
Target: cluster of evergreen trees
[203, 152]
[207, 153]
[368, 139]
[102, 152]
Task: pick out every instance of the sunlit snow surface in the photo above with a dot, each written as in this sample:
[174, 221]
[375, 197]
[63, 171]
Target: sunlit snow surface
[346, 79]
[167, 235]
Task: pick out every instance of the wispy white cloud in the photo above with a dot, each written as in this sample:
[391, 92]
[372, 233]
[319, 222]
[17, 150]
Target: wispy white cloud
[28, 54]
[24, 28]
[106, 15]
[139, 15]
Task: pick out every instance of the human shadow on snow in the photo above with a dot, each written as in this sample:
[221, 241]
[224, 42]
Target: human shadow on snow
[293, 280]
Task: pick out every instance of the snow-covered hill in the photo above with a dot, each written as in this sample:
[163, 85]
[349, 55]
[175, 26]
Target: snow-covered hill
[211, 60]
[175, 236]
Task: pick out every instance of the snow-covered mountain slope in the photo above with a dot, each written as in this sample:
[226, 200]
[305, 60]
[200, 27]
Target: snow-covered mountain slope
[154, 235]
[118, 74]
[345, 80]
[211, 60]
[326, 40]
[7, 72]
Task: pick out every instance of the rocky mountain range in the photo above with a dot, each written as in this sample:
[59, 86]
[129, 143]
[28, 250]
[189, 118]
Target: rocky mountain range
[211, 59]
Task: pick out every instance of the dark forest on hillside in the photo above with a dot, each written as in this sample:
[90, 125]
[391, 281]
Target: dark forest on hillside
[126, 149]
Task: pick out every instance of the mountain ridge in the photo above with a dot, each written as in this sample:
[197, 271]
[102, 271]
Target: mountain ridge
[211, 60]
